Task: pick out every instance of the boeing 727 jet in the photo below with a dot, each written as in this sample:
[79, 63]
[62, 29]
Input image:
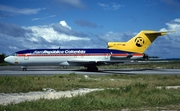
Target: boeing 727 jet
[116, 52]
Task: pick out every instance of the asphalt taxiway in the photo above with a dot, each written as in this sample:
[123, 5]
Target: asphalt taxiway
[54, 70]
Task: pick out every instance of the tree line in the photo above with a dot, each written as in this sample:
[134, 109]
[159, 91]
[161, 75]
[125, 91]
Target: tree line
[2, 56]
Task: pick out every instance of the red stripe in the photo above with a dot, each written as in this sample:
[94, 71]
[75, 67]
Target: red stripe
[119, 54]
[136, 54]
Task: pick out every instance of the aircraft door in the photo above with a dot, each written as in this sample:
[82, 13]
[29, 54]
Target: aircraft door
[106, 55]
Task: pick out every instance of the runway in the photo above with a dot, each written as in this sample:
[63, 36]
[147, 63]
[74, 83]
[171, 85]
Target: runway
[55, 70]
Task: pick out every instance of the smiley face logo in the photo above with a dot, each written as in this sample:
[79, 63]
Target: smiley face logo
[139, 41]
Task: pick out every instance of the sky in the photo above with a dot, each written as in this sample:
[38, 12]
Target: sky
[31, 24]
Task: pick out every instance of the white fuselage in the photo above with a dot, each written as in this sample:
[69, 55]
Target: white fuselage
[73, 57]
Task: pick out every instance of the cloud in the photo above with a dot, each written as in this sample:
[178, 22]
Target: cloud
[25, 11]
[51, 16]
[110, 6]
[62, 27]
[85, 23]
[14, 37]
[115, 37]
[168, 45]
[49, 34]
[74, 3]
[177, 20]
[173, 3]
[173, 25]
[12, 30]
[64, 24]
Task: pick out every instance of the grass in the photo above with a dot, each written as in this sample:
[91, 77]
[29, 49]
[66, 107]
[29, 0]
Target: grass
[132, 96]
[4, 64]
[14, 84]
[132, 92]
[121, 92]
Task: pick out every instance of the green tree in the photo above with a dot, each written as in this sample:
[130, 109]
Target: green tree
[2, 56]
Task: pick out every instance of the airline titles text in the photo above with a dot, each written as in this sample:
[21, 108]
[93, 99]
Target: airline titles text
[60, 52]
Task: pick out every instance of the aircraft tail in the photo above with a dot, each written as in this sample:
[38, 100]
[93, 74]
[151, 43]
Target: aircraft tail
[139, 43]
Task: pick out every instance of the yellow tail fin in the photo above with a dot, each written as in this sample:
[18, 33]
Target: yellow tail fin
[139, 43]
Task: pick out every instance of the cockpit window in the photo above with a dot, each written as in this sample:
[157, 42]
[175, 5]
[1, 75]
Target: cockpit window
[14, 54]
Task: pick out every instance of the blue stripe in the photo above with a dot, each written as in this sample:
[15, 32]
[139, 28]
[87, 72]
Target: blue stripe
[62, 51]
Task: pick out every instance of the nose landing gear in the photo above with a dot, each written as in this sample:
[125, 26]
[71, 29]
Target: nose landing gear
[24, 68]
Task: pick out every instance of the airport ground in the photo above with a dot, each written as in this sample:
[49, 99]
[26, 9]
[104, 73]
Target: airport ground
[172, 68]
[54, 70]
[131, 87]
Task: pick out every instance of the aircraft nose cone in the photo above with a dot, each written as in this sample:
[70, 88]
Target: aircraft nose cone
[8, 59]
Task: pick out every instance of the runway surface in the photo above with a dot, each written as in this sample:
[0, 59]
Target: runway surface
[54, 70]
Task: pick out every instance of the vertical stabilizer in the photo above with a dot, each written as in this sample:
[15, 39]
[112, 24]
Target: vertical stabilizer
[139, 43]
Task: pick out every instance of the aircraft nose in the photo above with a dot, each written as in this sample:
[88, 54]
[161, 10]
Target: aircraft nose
[8, 59]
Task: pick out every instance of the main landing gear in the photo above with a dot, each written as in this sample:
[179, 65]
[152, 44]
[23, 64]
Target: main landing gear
[24, 68]
[92, 68]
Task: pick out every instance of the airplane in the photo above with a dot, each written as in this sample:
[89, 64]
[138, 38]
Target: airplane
[116, 52]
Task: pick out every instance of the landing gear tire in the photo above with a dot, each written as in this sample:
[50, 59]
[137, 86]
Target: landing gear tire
[24, 68]
[92, 68]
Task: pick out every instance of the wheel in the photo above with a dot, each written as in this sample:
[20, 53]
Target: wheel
[92, 68]
[24, 68]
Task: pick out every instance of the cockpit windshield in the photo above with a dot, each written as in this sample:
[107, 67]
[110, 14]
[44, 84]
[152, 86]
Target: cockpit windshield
[14, 54]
